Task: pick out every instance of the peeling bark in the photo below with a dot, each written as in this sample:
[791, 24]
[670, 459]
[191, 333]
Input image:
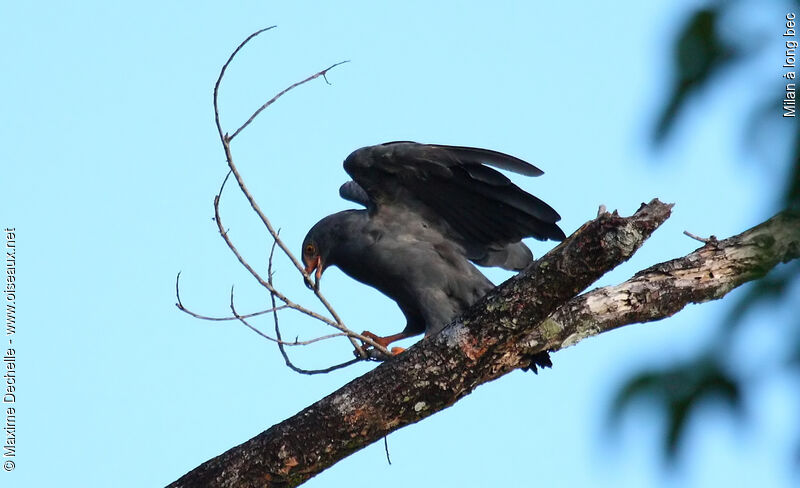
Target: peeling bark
[661, 291]
[533, 312]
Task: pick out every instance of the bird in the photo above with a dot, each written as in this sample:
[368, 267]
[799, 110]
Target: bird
[431, 214]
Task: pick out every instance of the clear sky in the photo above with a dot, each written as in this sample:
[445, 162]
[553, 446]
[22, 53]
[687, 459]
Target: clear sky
[110, 161]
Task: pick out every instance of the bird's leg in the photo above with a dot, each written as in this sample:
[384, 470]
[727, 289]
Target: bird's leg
[385, 341]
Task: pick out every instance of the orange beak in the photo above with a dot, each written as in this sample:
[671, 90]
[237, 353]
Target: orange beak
[316, 264]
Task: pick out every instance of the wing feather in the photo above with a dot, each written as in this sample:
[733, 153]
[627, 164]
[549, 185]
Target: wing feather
[454, 189]
[353, 192]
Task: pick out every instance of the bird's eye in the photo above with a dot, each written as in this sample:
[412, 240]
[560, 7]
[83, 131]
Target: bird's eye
[310, 249]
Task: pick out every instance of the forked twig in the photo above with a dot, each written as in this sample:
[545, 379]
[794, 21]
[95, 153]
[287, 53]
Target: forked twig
[335, 321]
[282, 93]
[278, 332]
[274, 291]
[278, 341]
[222, 73]
[196, 315]
[240, 181]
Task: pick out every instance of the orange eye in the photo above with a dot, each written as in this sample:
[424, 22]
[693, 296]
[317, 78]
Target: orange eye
[310, 249]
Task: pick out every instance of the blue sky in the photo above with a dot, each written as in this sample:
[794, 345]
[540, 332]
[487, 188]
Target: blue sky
[110, 161]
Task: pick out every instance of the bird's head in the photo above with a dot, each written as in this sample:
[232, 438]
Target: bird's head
[312, 259]
[335, 240]
[316, 250]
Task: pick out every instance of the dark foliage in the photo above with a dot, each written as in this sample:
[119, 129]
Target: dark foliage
[700, 54]
[677, 390]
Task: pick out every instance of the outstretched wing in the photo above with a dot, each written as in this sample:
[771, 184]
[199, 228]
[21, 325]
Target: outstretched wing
[453, 188]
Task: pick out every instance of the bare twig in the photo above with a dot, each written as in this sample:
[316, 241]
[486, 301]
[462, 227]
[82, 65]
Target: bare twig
[278, 330]
[266, 284]
[376, 351]
[196, 315]
[225, 139]
[282, 93]
[222, 73]
[710, 240]
[279, 341]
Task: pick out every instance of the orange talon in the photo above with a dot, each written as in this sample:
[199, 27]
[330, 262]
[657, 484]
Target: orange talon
[385, 341]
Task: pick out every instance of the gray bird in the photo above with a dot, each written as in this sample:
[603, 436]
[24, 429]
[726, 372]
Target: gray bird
[431, 212]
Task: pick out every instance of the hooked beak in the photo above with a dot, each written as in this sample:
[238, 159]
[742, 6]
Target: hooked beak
[316, 264]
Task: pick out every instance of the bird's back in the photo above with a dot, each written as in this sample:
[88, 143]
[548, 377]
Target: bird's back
[412, 263]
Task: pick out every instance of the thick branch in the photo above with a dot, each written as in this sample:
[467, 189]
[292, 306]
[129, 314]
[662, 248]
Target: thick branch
[496, 335]
[432, 375]
[662, 290]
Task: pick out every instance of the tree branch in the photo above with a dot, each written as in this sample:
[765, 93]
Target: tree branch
[495, 336]
[661, 291]
[480, 346]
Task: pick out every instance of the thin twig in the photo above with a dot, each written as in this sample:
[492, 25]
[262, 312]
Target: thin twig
[710, 240]
[253, 272]
[222, 73]
[279, 341]
[225, 319]
[272, 100]
[196, 315]
[257, 209]
[225, 139]
[278, 332]
[289, 304]
[386, 448]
